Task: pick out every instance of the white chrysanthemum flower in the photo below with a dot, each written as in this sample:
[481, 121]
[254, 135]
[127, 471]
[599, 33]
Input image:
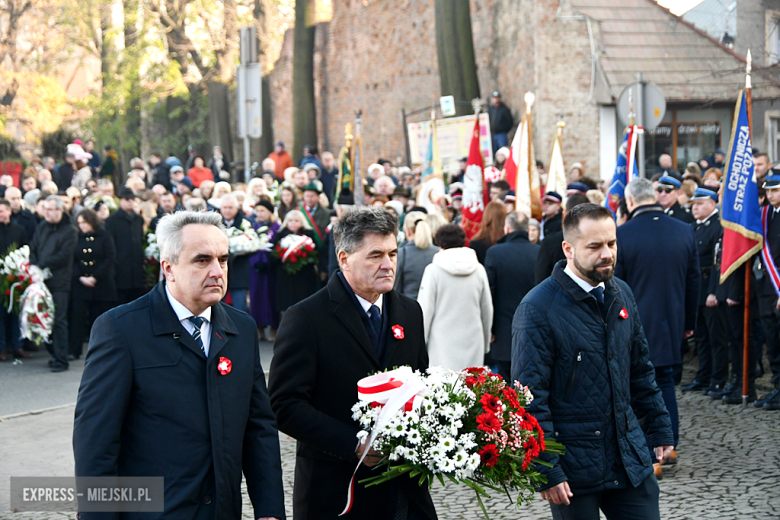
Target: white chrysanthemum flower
[362, 435]
[413, 436]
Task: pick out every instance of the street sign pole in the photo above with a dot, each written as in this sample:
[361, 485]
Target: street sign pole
[640, 122]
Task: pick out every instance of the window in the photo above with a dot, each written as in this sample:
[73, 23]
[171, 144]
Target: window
[772, 28]
[773, 136]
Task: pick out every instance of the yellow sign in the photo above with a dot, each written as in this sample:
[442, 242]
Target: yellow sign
[657, 112]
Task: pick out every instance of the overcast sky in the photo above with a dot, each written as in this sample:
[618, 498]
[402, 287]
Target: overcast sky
[679, 6]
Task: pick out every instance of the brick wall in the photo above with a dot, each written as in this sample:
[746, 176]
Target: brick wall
[381, 58]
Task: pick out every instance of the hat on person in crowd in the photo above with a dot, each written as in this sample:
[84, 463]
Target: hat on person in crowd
[457, 195]
[187, 182]
[382, 162]
[136, 163]
[266, 204]
[510, 196]
[576, 187]
[280, 144]
[31, 197]
[313, 186]
[176, 168]
[420, 209]
[772, 181]
[553, 196]
[78, 142]
[669, 182]
[395, 206]
[374, 166]
[576, 166]
[464, 159]
[127, 193]
[503, 151]
[289, 172]
[311, 166]
[496, 93]
[400, 190]
[706, 192]
[721, 152]
[346, 199]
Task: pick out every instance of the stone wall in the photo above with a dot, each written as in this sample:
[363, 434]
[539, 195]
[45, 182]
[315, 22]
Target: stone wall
[381, 58]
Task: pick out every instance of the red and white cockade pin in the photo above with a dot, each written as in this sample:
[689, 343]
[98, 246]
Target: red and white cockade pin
[224, 366]
[623, 313]
[398, 332]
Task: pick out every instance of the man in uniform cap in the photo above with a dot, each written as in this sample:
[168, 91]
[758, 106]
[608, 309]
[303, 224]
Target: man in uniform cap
[509, 201]
[768, 302]
[576, 187]
[710, 333]
[668, 193]
[553, 214]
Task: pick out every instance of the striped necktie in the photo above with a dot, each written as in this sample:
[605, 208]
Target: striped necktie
[198, 322]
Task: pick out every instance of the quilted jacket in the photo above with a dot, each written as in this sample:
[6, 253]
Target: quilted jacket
[592, 381]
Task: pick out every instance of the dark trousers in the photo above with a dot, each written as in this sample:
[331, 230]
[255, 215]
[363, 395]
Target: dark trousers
[770, 320]
[83, 314]
[736, 326]
[128, 295]
[664, 378]
[504, 369]
[711, 346]
[9, 324]
[631, 503]
[58, 347]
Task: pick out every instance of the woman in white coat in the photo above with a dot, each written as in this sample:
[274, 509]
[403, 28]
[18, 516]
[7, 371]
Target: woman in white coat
[456, 303]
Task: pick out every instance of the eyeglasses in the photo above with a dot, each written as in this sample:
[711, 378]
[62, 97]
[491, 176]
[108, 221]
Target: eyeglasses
[664, 190]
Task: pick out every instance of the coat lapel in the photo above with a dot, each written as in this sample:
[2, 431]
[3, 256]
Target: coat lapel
[396, 315]
[345, 311]
[165, 322]
[221, 326]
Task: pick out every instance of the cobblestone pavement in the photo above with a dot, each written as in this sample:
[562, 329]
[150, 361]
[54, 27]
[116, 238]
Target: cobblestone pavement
[729, 466]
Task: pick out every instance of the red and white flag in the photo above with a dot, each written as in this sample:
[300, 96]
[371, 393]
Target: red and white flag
[521, 172]
[475, 192]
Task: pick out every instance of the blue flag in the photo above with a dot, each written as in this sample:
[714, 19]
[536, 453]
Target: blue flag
[741, 215]
[620, 177]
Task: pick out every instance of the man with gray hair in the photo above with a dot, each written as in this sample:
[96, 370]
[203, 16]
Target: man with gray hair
[510, 266]
[173, 387]
[666, 291]
[354, 326]
[53, 247]
[238, 282]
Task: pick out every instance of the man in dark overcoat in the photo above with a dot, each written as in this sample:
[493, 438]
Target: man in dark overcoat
[667, 292]
[510, 270]
[173, 387]
[127, 229]
[355, 326]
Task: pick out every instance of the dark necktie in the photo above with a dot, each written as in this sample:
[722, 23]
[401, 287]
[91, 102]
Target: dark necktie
[598, 293]
[375, 317]
[198, 322]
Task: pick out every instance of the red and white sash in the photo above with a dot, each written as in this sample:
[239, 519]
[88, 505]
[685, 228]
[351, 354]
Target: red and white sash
[766, 254]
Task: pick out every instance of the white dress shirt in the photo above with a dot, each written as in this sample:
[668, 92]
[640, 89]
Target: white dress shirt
[585, 286]
[183, 314]
[367, 304]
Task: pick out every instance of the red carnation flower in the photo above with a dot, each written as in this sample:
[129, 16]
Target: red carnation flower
[488, 422]
[475, 370]
[293, 259]
[309, 247]
[471, 381]
[490, 403]
[489, 455]
[303, 255]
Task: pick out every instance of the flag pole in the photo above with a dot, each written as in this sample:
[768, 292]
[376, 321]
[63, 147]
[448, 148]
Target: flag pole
[746, 329]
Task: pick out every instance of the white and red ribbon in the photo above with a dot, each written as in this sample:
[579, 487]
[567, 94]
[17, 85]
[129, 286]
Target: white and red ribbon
[298, 243]
[396, 390]
[766, 254]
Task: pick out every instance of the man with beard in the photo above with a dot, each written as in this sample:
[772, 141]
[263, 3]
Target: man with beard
[668, 309]
[578, 343]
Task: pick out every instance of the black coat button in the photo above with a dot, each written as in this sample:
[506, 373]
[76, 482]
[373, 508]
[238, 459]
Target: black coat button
[207, 499]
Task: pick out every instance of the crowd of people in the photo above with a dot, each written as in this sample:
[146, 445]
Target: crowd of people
[91, 232]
